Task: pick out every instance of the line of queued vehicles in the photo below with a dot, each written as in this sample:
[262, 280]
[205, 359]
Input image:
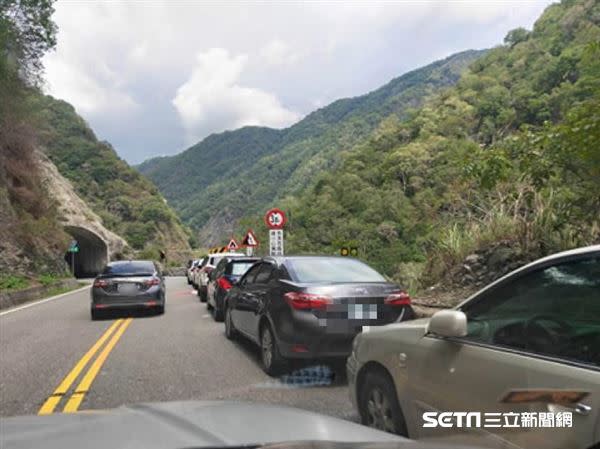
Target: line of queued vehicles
[528, 343]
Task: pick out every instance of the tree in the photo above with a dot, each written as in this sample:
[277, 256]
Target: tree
[516, 36]
[27, 32]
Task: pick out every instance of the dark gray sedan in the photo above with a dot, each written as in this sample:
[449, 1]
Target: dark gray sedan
[128, 284]
[310, 307]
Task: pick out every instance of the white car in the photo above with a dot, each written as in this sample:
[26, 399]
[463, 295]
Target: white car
[190, 271]
[524, 351]
[209, 264]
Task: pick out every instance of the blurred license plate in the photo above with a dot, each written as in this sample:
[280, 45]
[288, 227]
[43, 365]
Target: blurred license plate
[362, 311]
[128, 288]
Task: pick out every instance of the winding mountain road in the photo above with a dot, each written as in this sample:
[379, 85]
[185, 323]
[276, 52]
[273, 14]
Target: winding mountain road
[54, 359]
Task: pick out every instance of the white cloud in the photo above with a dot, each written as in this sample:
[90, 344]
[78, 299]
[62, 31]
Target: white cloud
[91, 96]
[279, 54]
[119, 60]
[212, 99]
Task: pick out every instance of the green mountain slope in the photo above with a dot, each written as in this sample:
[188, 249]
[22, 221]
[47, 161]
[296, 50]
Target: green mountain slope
[510, 154]
[229, 175]
[128, 204]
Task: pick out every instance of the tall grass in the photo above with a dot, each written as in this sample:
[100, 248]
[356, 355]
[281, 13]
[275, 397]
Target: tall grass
[535, 222]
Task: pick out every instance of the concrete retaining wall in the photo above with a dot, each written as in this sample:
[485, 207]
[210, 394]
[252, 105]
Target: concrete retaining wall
[9, 299]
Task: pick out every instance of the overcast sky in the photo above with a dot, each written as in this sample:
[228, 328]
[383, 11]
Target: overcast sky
[153, 77]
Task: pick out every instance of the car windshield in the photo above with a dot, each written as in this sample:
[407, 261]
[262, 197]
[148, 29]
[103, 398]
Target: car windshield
[239, 268]
[129, 268]
[331, 269]
[245, 222]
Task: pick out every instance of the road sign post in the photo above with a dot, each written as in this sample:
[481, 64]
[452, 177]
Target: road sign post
[250, 242]
[275, 220]
[73, 248]
[276, 242]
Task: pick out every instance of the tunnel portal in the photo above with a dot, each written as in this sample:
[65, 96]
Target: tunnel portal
[92, 255]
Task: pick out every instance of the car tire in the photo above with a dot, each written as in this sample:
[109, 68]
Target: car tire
[160, 309]
[202, 294]
[96, 315]
[189, 282]
[378, 404]
[272, 362]
[217, 314]
[230, 332]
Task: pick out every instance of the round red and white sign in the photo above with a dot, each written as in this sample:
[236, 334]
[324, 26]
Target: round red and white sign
[275, 219]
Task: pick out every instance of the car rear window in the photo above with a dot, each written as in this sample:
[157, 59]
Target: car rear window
[332, 269]
[127, 268]
[240, 268]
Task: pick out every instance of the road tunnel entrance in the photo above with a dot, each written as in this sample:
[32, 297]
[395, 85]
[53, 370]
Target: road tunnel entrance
[92, 255]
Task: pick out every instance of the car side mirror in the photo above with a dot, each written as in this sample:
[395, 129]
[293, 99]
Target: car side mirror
[448, 323]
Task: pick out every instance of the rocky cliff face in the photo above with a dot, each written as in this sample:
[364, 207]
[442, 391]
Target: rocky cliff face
[73, 211]
[34, 243]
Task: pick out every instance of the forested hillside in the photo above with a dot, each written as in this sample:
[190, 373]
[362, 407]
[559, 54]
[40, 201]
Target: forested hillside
[241, 172]
[128, 203]
[510, 154]
[31, 238]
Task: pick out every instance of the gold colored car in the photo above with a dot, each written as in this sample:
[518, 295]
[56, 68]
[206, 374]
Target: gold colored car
[517, 365]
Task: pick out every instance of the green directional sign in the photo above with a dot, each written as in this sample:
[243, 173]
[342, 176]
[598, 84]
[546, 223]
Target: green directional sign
[73, 247]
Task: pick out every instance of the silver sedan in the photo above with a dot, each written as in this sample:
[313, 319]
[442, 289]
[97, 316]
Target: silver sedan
[517, 365]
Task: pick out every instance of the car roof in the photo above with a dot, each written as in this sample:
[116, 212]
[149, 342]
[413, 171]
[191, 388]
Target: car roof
[532, 265]
[281, 259]
[245, 259]
[122, 262]
[225, 254]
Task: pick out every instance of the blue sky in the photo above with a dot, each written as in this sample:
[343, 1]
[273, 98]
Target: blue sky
[154, 77]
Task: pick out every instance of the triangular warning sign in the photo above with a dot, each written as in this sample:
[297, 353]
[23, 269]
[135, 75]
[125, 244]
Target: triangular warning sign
[232, 245]
[250, 239]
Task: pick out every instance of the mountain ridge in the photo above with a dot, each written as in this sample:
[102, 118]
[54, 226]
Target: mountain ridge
[284, 161]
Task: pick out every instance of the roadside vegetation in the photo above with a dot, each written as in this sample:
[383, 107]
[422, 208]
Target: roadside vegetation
[31, 238]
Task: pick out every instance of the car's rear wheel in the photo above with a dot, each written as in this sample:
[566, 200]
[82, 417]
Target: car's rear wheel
[378, 405]
[96, 315]
[202, 294]
[230, 331]
[272, 361]
[217, 312]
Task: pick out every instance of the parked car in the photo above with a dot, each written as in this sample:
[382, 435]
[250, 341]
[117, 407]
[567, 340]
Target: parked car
[191, 268]
[227, 272]
[196, 272]
[310, 306]
[527, 343]
[128, 284]
[207, 267]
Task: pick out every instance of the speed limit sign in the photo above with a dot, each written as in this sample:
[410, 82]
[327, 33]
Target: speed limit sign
[275, 219]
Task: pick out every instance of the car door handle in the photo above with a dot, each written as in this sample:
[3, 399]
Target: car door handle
[582, 409]
[579, 408]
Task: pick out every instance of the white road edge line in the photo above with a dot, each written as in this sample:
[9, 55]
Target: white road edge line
[41, 301]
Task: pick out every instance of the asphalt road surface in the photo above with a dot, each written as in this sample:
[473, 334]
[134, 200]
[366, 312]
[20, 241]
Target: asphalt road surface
[54, 359]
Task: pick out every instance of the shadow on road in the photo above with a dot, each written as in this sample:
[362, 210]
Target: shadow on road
[301, 373]
[128, 313]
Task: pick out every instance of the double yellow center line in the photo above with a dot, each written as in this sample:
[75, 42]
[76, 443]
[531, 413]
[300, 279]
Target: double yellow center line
[116, 330]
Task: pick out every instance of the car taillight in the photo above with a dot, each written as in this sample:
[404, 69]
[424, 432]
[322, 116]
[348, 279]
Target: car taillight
[398, 298]
[224, 283]
[100, 283]
[304, 301]
[152, 281]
